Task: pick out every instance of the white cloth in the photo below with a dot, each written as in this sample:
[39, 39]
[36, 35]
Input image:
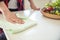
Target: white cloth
[12, 4]
[16, 28]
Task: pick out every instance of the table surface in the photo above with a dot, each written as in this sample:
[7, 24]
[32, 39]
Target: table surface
[46, 29]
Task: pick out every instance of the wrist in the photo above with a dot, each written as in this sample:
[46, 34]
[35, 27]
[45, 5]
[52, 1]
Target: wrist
[4, 8]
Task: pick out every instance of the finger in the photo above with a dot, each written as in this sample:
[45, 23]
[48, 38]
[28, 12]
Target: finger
[20, 21]
[17, 20]
[11, 21]
[37, 8]
[14, 19]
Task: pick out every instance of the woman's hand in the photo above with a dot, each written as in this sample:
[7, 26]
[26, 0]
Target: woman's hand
[11, 17]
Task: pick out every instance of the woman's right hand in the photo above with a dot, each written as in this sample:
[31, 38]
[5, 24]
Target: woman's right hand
[11, 17]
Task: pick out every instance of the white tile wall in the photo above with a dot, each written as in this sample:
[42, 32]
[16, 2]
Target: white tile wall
[38, 3]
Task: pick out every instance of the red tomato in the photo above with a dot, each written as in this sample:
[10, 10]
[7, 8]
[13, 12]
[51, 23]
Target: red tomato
[50, 8]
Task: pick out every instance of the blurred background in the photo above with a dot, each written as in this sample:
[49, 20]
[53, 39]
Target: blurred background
[38, 3]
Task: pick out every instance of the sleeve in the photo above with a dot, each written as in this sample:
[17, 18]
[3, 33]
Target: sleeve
[1, 0]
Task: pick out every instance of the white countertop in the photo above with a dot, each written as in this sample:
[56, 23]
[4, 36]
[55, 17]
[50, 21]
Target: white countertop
[46, 29]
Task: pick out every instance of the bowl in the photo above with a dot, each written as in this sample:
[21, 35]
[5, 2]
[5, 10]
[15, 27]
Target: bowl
[52, 16]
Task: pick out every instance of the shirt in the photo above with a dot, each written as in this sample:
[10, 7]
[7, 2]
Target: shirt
[12, 4]
[19, 4]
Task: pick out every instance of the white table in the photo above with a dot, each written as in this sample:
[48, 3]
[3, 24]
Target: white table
[46, 29]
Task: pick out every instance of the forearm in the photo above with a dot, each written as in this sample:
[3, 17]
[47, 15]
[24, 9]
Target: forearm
[31, 3]
[4, 7]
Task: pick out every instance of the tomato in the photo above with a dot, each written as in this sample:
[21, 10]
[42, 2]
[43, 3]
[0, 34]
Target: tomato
[50, 8]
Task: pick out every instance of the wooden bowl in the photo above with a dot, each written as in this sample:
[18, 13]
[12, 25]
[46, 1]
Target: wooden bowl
[52, 16]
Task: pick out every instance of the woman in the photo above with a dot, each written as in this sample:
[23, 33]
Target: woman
[11, 17]
[14, 5]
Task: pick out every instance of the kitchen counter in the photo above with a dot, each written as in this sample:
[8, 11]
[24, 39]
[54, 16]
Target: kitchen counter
[46, 29]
